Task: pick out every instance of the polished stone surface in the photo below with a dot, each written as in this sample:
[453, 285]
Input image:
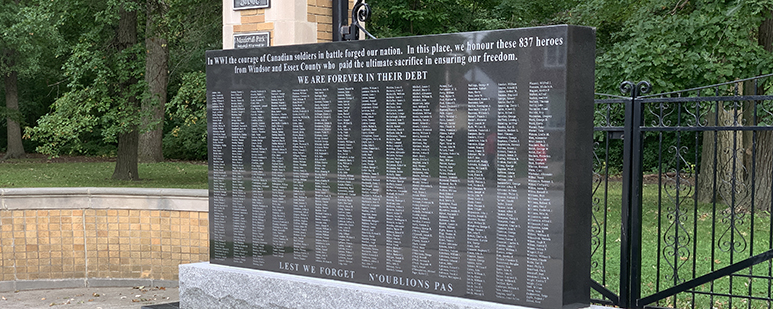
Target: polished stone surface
[457, 164]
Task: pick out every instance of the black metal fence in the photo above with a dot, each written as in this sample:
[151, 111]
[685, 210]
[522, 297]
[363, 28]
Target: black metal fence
[682, 197]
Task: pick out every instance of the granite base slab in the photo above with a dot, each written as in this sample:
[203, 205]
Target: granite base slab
[205, 285]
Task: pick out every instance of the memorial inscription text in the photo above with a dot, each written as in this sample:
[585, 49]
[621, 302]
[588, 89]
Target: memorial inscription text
[431, 164]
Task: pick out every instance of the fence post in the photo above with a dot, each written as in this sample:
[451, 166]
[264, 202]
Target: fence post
[340, 19]
[630, 246]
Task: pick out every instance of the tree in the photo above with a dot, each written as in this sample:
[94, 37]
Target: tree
[128, 137]
[111, 76]
[15, 148]
[8, 67]
[177, 33]
[675, 46]
[764, 185]
[684, 45]
[749, 160]
[157, 78]
[188, 113]
[193, 26]
[104, 70]
[24, 28]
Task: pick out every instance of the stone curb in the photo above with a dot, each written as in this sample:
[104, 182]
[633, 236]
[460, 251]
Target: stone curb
[26, 285]
[104, 198]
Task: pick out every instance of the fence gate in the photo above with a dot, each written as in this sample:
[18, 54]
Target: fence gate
[682, 197]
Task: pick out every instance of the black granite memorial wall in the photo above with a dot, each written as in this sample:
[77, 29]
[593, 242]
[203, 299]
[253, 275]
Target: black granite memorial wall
[455, 164]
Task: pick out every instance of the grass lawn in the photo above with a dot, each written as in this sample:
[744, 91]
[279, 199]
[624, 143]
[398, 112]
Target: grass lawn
[681, 243]
[678, 243]
[95, 172]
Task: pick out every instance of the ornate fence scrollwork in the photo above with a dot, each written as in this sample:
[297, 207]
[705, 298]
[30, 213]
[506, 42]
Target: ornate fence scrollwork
[693, 173]
[360, 13]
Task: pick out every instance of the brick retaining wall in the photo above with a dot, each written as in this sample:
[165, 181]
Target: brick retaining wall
[83, 233]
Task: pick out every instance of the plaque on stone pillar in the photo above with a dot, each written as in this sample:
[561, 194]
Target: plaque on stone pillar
[252, 40]
[251, 4]
[456, 164]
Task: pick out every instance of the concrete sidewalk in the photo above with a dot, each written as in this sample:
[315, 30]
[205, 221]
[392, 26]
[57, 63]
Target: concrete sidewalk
[92, 298]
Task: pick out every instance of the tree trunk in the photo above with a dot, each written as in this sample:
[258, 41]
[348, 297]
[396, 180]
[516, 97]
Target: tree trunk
[15, 147]
[157, 77]
[765, 34]
[764, 166]
[763, 169]
[128, 141]
[722, 152]
[126, 163]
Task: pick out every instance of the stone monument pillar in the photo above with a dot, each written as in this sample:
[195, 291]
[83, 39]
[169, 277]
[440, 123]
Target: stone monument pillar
[285, 22]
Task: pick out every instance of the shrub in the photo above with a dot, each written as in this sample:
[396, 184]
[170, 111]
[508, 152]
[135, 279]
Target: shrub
[187, 116]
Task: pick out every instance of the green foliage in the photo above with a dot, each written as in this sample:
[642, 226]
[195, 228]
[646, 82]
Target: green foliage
[96, 100]
[188, 111]
[28, 43]
[28, 32]
[675, 46]
[93, 102]
[393, 18]
[187, 142]
[35, 97]
[194, 26]
[520, 13]
[81, 69]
